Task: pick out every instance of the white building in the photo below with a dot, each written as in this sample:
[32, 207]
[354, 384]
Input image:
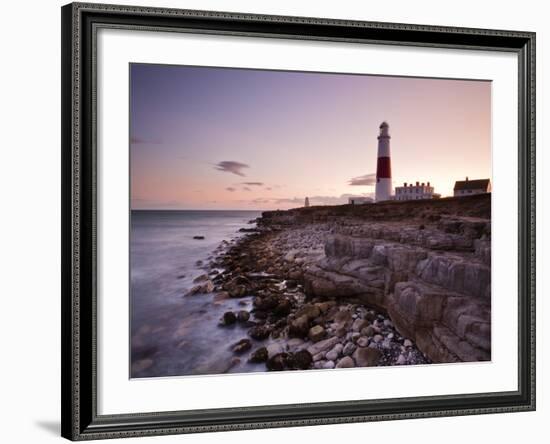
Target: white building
[359, 200]
[468, 187]
[415, 192]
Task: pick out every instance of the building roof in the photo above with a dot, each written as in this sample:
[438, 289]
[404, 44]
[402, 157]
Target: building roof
[477, 184]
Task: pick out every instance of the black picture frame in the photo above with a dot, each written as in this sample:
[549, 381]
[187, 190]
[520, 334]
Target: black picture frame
[80, 420]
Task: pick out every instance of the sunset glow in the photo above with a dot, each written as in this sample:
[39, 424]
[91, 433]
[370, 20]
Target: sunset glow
[219, 138]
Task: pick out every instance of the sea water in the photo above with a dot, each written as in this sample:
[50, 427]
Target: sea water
[173, 334]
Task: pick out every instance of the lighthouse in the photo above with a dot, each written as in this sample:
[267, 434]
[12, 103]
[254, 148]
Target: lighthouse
[383, 167]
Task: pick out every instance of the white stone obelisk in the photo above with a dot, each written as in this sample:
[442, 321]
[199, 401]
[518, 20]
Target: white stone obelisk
[383, 167]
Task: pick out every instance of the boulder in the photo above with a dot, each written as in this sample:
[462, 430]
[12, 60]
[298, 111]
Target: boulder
[323, 345]
[229, 318]
[335, 352]
[348, 349]
[316, 333]
[366, 356]
[368, 331]
[308, 310]
[259, 332]
[242, 346]
[283, 308]
[259, 355]
[243, 316]
[277, 362]
[299, 328]
[345, 362]
[359, 324]
[202, 288]
[302, 360]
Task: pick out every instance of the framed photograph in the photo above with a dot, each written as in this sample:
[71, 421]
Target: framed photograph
[280, 221]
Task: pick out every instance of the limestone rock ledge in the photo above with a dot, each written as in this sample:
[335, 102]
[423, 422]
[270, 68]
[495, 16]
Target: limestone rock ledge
[430, 272]
[439, 297]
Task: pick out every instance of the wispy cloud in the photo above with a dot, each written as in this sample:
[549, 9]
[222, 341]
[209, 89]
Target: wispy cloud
[366, 180]
[252, 184]
[230, 189]
[246, 189]
[230, 166]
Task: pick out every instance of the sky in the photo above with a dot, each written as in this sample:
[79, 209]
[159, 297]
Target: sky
[242, 139]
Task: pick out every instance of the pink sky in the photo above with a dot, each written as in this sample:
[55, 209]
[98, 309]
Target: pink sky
[215, 138]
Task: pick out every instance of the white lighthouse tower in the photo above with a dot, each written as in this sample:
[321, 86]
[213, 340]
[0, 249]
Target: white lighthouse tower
[383, 167]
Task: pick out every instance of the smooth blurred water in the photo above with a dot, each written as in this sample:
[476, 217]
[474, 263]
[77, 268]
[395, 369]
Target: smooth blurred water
[173, 334]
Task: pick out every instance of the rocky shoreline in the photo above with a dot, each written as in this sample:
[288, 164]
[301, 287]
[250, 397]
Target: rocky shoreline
[376, 285]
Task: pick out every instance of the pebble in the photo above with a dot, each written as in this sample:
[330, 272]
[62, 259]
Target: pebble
[359, 324]
[316, 333]
[367, 331]
[328, 364]
[318, 357]
[323, 345]
[378, 338]
[401, 360]
[333, 354]
[346, 362]
[363, 341]
[294, 343]
[349, 348]
[407, 343]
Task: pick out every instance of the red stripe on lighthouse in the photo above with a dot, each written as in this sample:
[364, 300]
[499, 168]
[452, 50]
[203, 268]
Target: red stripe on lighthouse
[383, 168]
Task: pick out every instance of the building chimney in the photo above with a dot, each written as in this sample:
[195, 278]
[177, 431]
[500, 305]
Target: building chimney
[383, 189]
[466, 178]
[417, 183]
[404, 184]
[428, 183]
[422, 183]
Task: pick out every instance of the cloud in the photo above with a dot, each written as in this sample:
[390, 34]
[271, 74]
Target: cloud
[268, 188]
[260, 200]
[246, 189]
[366, 180]
[230, 166]
[230, 189]
[252, 184]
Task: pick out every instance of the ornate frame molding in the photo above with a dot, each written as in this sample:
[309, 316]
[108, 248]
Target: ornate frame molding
[80, 22]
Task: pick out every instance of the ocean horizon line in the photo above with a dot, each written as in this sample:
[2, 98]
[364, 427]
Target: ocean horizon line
[197, 209]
